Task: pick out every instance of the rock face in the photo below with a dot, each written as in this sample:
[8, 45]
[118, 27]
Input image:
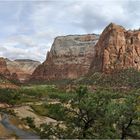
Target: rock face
[69, 58]
[22, 67]
[74, 56]
[116, 49]
[3, 68]
[6, 78]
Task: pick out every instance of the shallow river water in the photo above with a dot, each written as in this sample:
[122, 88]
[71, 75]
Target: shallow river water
[22, 134]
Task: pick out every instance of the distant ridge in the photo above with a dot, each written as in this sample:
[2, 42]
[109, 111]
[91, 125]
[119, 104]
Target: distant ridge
[26, 60]
[22, 67]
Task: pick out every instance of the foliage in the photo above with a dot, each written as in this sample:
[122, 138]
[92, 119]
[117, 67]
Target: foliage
[9, 96]
[40, 109]
[109, 112]
[62, 96]
[125, 115]
[125, 77]
[98, 115]
[52, 82]
[34, 93]
[30, 122]
[55, 111]
[43, 92]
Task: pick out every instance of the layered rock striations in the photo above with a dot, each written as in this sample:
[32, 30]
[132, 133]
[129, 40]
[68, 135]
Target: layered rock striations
[116, 49]
[6, 78]
[74, 56]
[69, 58]
[22, 67]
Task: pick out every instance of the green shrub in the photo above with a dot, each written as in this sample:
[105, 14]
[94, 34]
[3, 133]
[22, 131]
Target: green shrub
[123, 78]
[55, 111]
[98, 115]
[30, 122]
[9, 96]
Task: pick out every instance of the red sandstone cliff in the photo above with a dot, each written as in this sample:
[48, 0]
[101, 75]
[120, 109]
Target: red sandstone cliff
[3, 68]
[73, 56]
[117, 49]
[6, 77]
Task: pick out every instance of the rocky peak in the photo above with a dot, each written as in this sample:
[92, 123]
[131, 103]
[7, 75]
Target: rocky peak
[117, 49]
[113, 26]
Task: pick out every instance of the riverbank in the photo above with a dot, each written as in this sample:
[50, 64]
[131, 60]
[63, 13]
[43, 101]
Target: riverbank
[10, 131]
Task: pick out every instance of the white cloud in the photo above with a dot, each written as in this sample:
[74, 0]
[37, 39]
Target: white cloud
[22, 48]
[37, 23]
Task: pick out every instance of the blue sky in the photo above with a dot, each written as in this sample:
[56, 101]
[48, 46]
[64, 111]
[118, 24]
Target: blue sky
[28, 28]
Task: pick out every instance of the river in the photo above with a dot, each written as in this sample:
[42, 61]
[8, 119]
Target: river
[22, 134]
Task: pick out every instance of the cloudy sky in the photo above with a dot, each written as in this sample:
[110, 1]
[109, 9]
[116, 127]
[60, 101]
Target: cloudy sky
[28, 27]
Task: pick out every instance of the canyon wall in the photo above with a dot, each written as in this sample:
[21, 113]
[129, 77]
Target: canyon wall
[116, 49]
[69, 58]
[3, 68]
[74, 56]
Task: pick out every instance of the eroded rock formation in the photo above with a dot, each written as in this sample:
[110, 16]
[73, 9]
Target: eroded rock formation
[3, 68]
[22, 67]
[117, 49]
[74, 56]
[69, 58]
[6, 78]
